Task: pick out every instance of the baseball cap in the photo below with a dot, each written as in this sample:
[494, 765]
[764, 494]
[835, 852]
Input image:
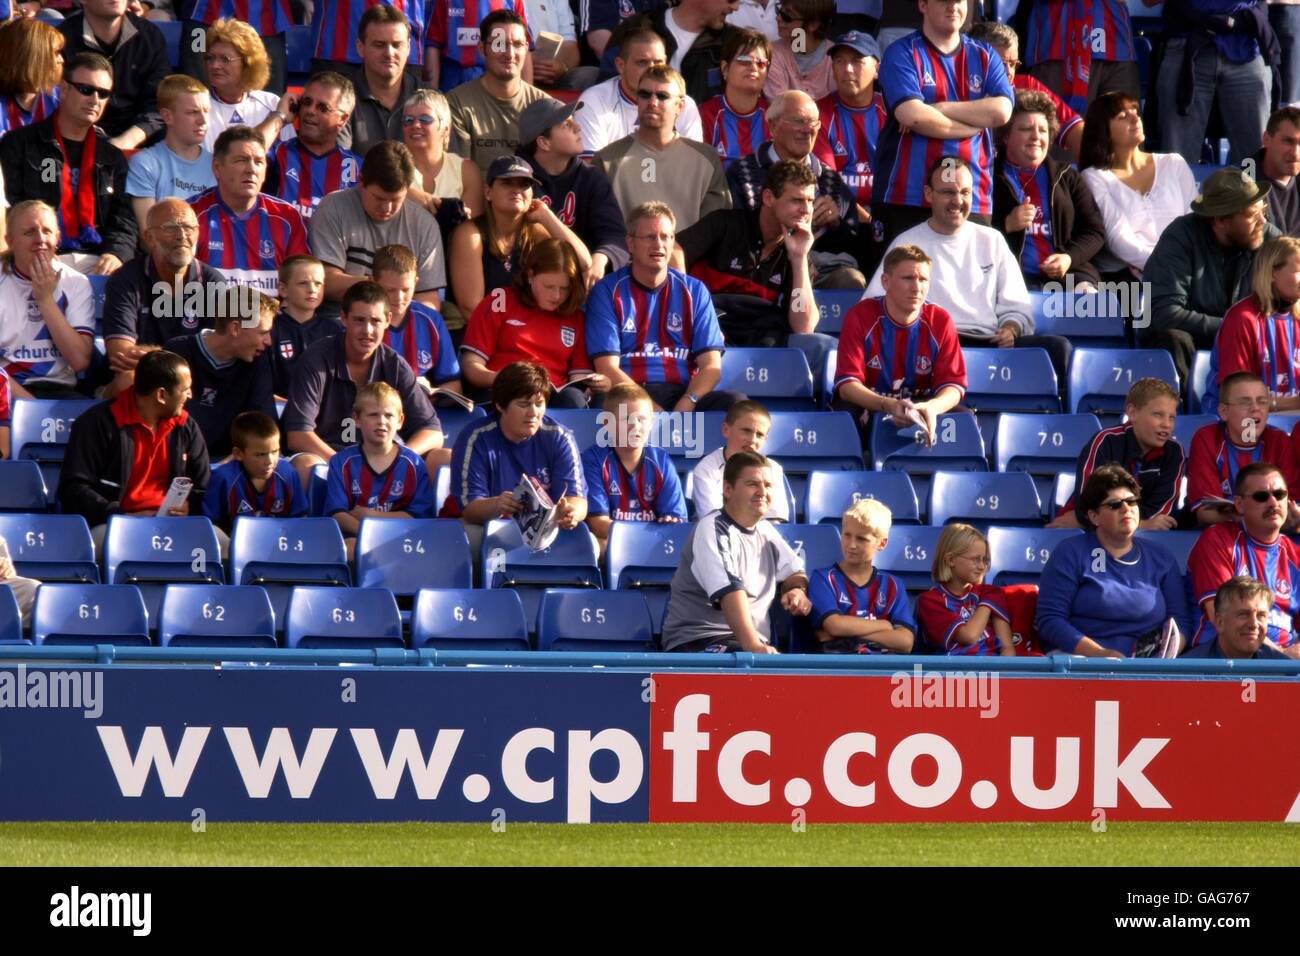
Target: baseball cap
[863, 43]
[541, 115]
[511, 167]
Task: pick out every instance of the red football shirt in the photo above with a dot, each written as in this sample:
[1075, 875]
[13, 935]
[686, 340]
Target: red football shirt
[901, 361]
[503, 330]
[1213, 461]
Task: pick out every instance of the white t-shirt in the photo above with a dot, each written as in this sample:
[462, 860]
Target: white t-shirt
[706, 490]
[973, 277]
[26, 350]
[607, 115]
[685, 40]
[753, 15]
[1134, 220]
[256, 106]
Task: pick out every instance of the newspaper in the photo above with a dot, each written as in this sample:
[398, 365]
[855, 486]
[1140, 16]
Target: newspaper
[537, 518]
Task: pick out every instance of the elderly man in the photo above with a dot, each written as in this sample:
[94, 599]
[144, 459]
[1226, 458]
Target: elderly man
[655, 163]
[68, 162]
[1242, 607]
[1202, 264]
[160, 294]
[47, 314]
[1253, 546]
[794, 120]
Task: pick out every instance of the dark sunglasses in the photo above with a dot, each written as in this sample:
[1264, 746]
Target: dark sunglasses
[424, 119]
[1118, 503]
[1277, 494]
[645, 95]
[86, 89]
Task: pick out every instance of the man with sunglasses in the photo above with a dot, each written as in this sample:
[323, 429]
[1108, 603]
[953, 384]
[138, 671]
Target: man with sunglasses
[69, 163]
[1253, 546]
[305, 169]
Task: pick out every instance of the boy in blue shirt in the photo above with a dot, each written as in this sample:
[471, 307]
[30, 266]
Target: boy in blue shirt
[857, 609]
[255, 481]
[376, 478]
[626, 481]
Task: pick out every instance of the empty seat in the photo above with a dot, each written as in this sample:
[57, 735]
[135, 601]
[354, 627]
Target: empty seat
[1042, 445]
[832, 306]
[1019, 554]
[817, 544]
[342, 618]
[171, 31]
[828, 377]
[278, 553]
[142, 548]
[1185, 426]
[1010, 380]
[298, 49]
[1096, 318]
[1100, 378]
[958, 446]
[583, 422]
[407, 554]
[909, 554]
[643, 556]
[22, 487]
[983, 499]
[39, 430]
[830, 493]
[463, 619]
[215, 615]
[50, 547]
[808, 441]
[570, 561]
[89, 614]
[11, 621]
[585, 620]
[777, 377]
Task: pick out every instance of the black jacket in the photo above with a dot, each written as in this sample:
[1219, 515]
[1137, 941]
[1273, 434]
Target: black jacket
[746, 177]
[1077, 226]
[98, 460]
[139, 65]
[702, 65]
[583, 199]
[24, 153]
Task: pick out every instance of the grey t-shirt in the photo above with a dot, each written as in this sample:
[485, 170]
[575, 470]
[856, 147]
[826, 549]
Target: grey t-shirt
[720, 557]
[343, 236]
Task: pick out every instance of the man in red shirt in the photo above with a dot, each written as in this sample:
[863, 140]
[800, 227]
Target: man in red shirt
[123, 455]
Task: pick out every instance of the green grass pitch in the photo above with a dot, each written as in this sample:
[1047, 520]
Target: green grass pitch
[979, 844]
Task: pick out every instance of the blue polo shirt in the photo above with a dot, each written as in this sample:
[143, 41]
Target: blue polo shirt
[484, 463]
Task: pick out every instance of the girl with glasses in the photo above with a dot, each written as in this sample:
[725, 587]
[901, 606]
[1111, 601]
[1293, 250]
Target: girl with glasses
[961, 615]
[1106, 593]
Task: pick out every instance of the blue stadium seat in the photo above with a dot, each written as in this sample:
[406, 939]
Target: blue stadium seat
[1019, 554]
[51, 547]
[508, 563]
[909, 554]
[316, 489]
[958, 447]
[643, 556]
[1004, 10]
[22, 487]
[1202, 171]
[89, 614]
[407, 554]
[832, 306]
[1010, 380]
[215, 615]
[817, 544]
[1185, 426]
[1142, 53]
[464, 619]
[831, 492]
[11, 621]
[583, 422]
[1200, 382]
[584, 620]
[453, 420]
[1285, 422]
[278, 553]
[1100, 378]
[828, 377]
[688, 438]
[343, 618]
[150, 552]
[777, 377]
[809, 441]
[1097, 318]
[171, 31]
[1042, 445]
[39, 430]
[97, 286]
[983, 499]
[1062, 491]
[1177, 543]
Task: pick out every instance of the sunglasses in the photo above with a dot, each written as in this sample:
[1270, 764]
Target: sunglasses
[320, 106]
[754, 61]
[646, 95]
[424, 120]
[1277, 494]
[1119, 503]
[86, 89]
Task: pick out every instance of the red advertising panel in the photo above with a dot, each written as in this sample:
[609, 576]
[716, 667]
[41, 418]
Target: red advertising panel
[971, 747]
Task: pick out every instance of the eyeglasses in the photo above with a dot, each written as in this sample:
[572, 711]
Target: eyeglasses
[220, 58]
[321, 106]
[646, 95]
[1117, 504]
[87, 89]
[983, 559]
[423, 119]
[665, 239]
[178, 228]
[1249, 403]
[1277, 494]
[748, 60]
[811, 124]
[1012, 64]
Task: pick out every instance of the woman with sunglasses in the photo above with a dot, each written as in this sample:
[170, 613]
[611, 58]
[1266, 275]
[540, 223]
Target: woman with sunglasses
[439, 175]
[1106, 593]
[810, 68]
[31, 65]
[237, 70]
[733, 121]
[1261, 333]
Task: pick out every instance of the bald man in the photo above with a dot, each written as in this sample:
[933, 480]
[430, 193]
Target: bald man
[161, 293]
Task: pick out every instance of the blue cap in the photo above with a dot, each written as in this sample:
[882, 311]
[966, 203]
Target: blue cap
[862, 43]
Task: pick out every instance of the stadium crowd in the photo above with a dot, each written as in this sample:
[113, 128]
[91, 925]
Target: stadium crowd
[315, 276]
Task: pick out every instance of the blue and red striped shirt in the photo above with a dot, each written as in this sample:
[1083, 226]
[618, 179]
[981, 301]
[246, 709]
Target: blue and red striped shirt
[231, 494]
[267, 17]
[249, 249]
[1101, 25]
[13, 116]
[1213, 461]
[733, 134]
[423, 341]
[847, 140]
[901, 361]
[453, 31]
[882, 598]
[403, 486]
[656, 333]
[305, 178]
[1032, 186]
[914, 69]
[1226, 550]
[940, 613]
[653, 492]
[336, 28]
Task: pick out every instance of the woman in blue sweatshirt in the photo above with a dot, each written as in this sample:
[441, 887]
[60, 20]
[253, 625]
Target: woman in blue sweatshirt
[1104, 593]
